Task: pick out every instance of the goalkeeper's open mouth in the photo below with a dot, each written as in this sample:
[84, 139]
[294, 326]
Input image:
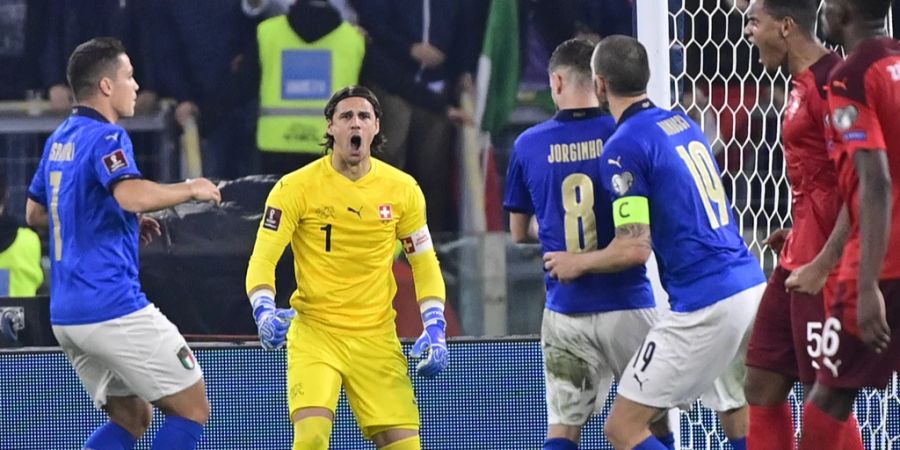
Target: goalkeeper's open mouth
[355, 142]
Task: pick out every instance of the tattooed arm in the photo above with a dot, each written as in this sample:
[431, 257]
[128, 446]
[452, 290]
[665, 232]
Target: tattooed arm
[630, 248]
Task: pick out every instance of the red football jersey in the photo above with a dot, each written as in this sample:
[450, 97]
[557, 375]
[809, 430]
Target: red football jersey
[864, 99]
[816, 199]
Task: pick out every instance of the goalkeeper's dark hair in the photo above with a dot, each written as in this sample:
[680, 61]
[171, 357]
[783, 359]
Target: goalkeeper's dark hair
[574, 55]
[804, 12]
[622, 60]
[91, 61]
[871, 9]
[353, 91]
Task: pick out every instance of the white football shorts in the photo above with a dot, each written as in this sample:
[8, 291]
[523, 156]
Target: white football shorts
[141, 354]
[583, 353]
[684, 354]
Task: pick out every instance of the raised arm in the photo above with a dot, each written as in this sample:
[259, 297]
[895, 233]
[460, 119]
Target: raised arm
[139, 195]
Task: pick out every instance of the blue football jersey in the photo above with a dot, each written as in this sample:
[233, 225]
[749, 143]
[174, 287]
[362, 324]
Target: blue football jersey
[553, 174]
[93, 241]
[664, 157]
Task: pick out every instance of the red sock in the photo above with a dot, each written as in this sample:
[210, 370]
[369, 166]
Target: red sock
[821, 431]
[852, 438]
[771, 428]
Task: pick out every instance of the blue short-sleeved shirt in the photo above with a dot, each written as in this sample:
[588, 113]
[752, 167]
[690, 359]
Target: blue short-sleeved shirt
[663, 156]
[93, 241]
[554, 175]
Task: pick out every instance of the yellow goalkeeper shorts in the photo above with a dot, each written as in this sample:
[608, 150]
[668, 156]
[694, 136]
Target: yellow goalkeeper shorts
[372, 370]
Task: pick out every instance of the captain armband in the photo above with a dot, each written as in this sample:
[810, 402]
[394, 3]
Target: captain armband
[628, 210]
[418, 242]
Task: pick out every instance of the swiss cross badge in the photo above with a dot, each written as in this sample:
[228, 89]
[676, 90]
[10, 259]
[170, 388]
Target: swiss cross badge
[385, 212]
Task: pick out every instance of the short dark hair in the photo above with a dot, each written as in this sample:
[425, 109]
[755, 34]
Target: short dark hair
[622, 60]
[871, 9]
[574, 54]
[804, 12]
[91, 61]
[347, 92]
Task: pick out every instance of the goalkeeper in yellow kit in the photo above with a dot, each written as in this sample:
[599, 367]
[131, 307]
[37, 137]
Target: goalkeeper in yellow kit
[342, 215]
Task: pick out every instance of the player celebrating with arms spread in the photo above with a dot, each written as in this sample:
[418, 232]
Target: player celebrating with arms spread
[342, 215]
[88, 190]
[781, 350]
[659, 169]
[592, 326]
[864, 315]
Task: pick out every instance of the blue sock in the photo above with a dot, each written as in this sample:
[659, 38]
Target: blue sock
[739, 444]
[559, 444]
[177, 433]
[651, 443]
[667, 440]
[110, 436]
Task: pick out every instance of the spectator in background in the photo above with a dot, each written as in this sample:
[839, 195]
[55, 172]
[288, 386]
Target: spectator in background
[422, 55]
[197, 48]
[71, 22]
[22, 25]
[20, 254]
[550, 22]
[300, 60]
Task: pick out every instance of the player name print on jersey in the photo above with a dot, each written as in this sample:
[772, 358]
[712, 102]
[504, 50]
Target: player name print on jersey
[575, 151]
[62, 152]
[674, 125]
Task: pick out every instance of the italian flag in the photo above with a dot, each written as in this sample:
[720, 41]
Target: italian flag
[497, 86]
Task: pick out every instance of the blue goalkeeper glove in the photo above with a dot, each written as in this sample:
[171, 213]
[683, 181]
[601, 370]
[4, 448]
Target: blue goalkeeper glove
[273, 323]
[432, 340]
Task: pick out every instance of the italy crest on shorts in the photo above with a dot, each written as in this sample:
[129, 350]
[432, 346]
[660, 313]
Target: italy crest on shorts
[187, 358]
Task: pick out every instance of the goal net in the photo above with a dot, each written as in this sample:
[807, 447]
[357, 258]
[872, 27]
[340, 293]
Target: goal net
[714, 75]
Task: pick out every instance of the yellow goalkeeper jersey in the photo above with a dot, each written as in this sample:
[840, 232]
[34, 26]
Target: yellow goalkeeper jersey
[343, 235]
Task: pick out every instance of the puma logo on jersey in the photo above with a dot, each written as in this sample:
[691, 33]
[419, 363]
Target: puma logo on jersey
[840, 84]
[615, 162]
[112, 137]
[356, 211]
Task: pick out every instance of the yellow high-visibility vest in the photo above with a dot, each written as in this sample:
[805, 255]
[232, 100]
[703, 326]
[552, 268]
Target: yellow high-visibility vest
[297, 80]
[20, 266]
